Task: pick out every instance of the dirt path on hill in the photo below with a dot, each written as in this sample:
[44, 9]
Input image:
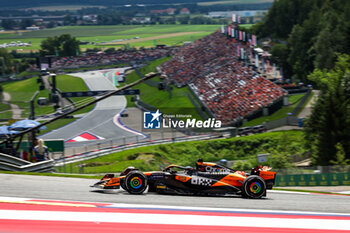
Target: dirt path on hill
[16, 111]
[308, 108]
[153, 38]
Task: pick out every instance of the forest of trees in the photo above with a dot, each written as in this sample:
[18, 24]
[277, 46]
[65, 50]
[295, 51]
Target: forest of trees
[36, 3]
[328, 128]
[307, 34]
[312, 43]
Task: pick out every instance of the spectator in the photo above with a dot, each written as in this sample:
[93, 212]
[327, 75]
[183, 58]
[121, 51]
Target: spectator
[226, 85]
[41, 152]
[95, 59]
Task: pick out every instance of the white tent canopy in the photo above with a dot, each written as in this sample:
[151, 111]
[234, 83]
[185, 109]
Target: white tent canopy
[258, 50]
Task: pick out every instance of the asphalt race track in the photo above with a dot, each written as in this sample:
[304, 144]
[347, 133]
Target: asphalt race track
[99, 121]
[74, 189]
[41, 204]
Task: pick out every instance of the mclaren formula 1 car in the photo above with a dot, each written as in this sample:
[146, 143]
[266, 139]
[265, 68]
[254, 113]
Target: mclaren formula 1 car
[205, 179]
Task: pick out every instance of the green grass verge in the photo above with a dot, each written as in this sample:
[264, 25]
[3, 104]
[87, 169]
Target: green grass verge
[22, 91]
[56, 124]
[247, 26]
[309, 191]
[6, 114]
[186, 153]
[96, 67]
[68, 83]
[27, 73]
[177, 103]
[281, 113]
[53, 174]
[5, 111]
[176, 40]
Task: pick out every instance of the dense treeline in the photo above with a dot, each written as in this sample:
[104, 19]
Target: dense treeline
[309, 34]
[129, 10]
[36, 3]
[328, 128]
[312, 43]
[14, 62]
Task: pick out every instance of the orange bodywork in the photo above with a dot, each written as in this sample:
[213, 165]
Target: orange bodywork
[233, 179]
[113, 182]
[183, 178]
[267, 175]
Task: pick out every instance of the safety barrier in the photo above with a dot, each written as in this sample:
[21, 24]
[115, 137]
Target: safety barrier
[106, 151]
[325, 179]
[11, 163]
[8, 159]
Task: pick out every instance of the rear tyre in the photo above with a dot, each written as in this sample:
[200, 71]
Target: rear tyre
[135, 182]
[253, 187]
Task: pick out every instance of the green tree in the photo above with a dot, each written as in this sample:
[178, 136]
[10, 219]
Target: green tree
[26, 23]
[69, 20]
[63, 45]
[242, 165]
[184, 19]
[329, 123]
[198, 20]
[6, 61]
[316, 30]
[300, 44]
[8, 24]
[280, 53]
[340, 156]
[51, 24]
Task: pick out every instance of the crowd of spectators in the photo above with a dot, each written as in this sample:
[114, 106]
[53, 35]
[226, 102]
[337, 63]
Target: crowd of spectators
[117, 57]
[230, 88]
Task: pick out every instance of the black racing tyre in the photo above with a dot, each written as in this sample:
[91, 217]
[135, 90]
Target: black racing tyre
[253, 187]
[135, 182]
[122, 183]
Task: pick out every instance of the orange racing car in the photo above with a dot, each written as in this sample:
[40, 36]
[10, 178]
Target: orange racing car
[206, 179]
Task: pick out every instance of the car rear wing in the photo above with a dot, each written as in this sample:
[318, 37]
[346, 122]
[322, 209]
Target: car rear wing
[265, 173]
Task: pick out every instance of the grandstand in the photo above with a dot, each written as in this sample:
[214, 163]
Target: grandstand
[224, 83]
[117, 57]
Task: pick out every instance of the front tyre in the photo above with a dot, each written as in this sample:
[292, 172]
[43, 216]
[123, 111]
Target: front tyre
[135, 182]
[122, 184]
[253, 187]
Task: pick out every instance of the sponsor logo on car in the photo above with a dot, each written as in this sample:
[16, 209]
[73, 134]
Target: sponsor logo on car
[201, 181]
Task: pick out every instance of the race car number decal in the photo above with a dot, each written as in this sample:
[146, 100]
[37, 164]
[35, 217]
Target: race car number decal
[201, 181]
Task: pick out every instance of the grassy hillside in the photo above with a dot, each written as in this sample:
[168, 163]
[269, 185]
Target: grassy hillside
[22, 91]
[67, 83]
[100, 35]
[279, 144]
